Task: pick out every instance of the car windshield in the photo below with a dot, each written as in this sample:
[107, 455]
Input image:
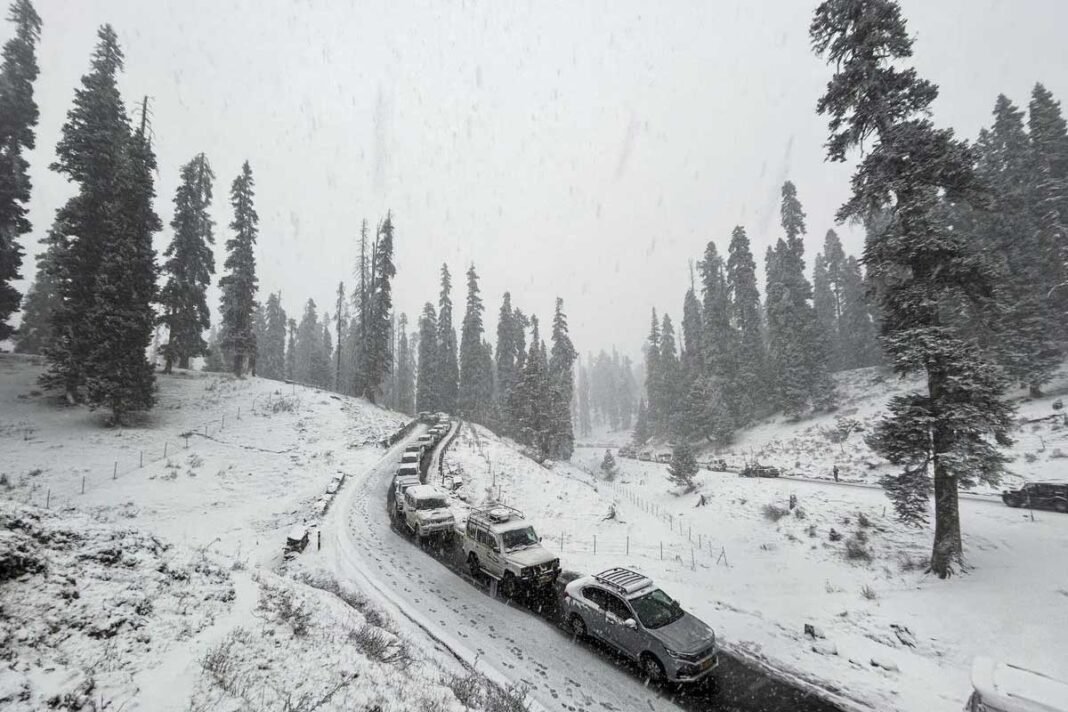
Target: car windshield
[433, 503]
[656, 609]
[519, 538]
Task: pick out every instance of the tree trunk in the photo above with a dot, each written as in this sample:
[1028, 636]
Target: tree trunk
[947, 553]
[183, 362]
[239, 364]
[167, 363]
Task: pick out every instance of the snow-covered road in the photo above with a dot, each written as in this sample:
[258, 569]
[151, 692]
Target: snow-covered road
[507, 643]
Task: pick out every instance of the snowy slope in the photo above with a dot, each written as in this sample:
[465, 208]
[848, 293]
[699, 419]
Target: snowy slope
[890, 638]
[157, 589]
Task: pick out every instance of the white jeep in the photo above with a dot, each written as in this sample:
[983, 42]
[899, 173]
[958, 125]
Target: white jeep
[427, 513]
[498, 542]
[400, 484]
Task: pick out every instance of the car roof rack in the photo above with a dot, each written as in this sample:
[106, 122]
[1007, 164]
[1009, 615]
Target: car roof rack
[623, 580]
[496, 514]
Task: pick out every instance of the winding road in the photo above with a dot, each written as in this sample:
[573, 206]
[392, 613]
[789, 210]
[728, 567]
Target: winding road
[507, 642]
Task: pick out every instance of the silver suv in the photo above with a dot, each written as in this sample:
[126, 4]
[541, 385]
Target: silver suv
[497, 541]
[628, 612]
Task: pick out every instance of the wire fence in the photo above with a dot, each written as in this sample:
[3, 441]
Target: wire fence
[128, 461]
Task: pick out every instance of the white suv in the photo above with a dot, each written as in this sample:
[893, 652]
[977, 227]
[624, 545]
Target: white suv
[427, 513]
[498, 542]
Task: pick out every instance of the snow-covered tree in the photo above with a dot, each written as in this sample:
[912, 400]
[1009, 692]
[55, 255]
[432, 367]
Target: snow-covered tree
[240, 283]
[18, 118]
[683, 467]
[426, 393]
[561, 380]
[948, 433]
[405, 369]
[272, 349]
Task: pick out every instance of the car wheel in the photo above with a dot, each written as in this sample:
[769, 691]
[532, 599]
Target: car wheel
[473, 566]
[1012, 502]
[577, 626]
[652, 668]
[508, 586]
[1061, 506]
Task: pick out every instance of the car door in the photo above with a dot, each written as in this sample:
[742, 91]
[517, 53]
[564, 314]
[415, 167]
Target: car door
[628, 640]
[596, 623]
[494, 563]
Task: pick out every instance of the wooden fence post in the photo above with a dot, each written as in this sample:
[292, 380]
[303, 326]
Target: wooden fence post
[83, 484]
[115, 470]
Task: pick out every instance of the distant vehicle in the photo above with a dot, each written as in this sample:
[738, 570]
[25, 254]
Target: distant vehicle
[427, 513]
[754, 470]
[628, 612]
[425, 417]
[1000, 687]
[400, 484]
[663, 457]
[627, 451]
[426, 439]
[645, 456]
[500, 543]
[411, 456]
[408, 469]
[296, 541]
[1039, 495]
[717, 465]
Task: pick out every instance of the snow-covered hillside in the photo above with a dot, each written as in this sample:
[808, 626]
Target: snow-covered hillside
[156, 588]
[886, 636]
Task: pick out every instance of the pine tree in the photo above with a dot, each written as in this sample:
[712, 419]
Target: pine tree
[671, 382]
[531, 397]
[683, 467]
[426, 396]
[214, 359]
[339, 331]
[291, 351]
[361, 298]
[655, 407]
[642, 431]
[405, 370]
[323, 370]
[561, 387]
[18, 118]
[507, 356]
[379, 331]
[748, 386]
[447, 370]
[714, 402]
[471, 387]
[239, 284]
[34, 334]
[91, 152]
[1049, 150]
[259, 330]
[609, 466]
[1011, 231]
[309, 347]
[585, 426]
[858, 344]
[692, 335]
[952, 427]
[189, 266]
[273, 346]
[827, 286]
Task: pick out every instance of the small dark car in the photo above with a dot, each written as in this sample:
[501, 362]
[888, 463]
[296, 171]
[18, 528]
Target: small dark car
[1039, 495]
[760, 471]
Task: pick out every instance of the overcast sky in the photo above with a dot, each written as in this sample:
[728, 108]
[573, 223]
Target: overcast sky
[581, 149]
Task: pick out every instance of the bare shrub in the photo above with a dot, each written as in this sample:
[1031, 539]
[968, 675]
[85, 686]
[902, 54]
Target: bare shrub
[869, 593]
[506, 699]
[381, 646]
[1057, 454]
[799, 513]
[281, 604]
[1030, 456]
[468, 689]
[856, 549]
[862, 520]
[4, 481]
[284, 404]
[909, 563]
[773, 512]
[811, 531]
[221, 662]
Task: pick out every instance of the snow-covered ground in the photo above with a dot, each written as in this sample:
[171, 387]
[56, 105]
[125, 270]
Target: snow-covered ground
[888, 637]
[813, 446]
[162, 587]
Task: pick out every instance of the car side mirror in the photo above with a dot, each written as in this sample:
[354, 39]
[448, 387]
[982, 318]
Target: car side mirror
[630, 623]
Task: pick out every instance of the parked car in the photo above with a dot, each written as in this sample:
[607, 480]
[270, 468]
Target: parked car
[499, 542]
[664, 457]
[427, 513]
[296, 541]
[411, 456]
[400, 484]
[1000, 687]
[1039, 495]
[408, 469]
[645, 456]
[754, 470]
[626, 610]
[716, 465]
[627, 451]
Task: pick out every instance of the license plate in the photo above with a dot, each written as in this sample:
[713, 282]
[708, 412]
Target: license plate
[708, 663]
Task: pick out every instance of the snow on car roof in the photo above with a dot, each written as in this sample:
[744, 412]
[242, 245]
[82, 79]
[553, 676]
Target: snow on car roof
[297, 533]
[424, 492]
[1018, 689]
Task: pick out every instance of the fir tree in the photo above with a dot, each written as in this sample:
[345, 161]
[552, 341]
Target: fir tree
[239, 284]
[189, 266]
[339, 331]
[1011, 231]
[683, 467]
[561, 380]
[507, 356]
[952, 427]
[858, 342]
[749, 369]
[531, 396]
[692, 335]
[1049, 150]
[18, 118]
[426, 395]
[259, 329]
[308, 364]
[609, 466]
[273, 346]
[585, 426]
[670, 382]
[472, 392]
[379, 339]
[405, 370]
[655, 407]
[291, 351]
[34, 334]
[642, 431]
[214, 359]
[447, 370]
[323, 369]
